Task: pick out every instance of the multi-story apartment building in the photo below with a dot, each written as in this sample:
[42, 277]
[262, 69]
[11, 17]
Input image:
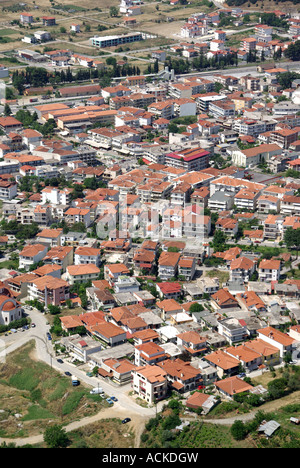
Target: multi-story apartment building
[241, 269]
[168, 265]
[192, 159]
[49, 290]
[273, 227]
[222, 108]
[284, 137]
[290, 205]
[8, 189]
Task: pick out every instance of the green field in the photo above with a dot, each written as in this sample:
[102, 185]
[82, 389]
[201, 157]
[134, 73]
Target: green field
[39, 394]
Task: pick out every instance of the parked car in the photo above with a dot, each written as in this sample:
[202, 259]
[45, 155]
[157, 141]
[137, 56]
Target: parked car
[68, 373]
[60, 361]
[113, 398]
[126, 420]
[110, 401]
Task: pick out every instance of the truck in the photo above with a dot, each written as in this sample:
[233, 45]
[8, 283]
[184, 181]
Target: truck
[97, 391]
[75, 381]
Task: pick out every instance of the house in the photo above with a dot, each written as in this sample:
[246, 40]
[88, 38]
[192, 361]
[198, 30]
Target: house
[182, 376]
[149, 353]
[187, 267]
[77, 346]
[168, 265]
[114, 270]
[241, 269]
[233, 329]
[169, 290]
[144, 336]
[203, 401]
[250, 359]
[110, 334]
[269, 270]
[149, 382]
[192, 342]
[51, 237]
[59, 255]
[276, 338]
[228, 225]
[31, 254]
[82, 273]
[251, 301]
[49, 290]
[10, 308]
[119, 370]
[144, 259]
[83, 255]
[231, 386]
[273, 227]
[225, 364]
[269, 353]
[168, 307]
[223, 299]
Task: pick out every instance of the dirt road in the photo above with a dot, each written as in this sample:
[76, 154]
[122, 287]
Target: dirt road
[136, 424]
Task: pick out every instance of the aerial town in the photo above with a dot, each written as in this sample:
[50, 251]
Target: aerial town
[150, 224]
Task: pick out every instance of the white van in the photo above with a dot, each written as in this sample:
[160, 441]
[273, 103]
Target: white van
[97, 391]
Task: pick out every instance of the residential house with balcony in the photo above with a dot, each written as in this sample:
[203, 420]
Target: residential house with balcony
[290, 205]
[249, 358]
[269, 270]
[60, 255]
[149, 353]
[150, 383]
[168, 265]
[273, 227]
[48, 290]
[192, 342]
[181, 375]
[84, 255]
[267, 204]
[31, 254]
[224, 364]
[114, 270]
[270, 354]
[278, 339]
[82, 273]
[233, 330]
[241, 269]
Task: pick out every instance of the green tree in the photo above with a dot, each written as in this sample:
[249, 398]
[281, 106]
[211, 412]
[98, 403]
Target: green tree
[56, 437]
[238, 430]
[7, 110]
[113, 11]
[219, 240]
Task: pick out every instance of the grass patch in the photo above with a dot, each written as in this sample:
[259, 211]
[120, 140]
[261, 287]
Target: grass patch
[39, 393]
[24, 380]
[72, 402]
[223, 276]
[9, 264]
[108, 433]
[36, 412]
